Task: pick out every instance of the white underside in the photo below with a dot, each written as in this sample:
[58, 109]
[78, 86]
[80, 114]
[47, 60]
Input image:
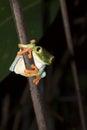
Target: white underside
[18, 65]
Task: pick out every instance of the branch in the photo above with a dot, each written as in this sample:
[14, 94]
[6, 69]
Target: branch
[73, 64]
[36, 97]
[5, 112]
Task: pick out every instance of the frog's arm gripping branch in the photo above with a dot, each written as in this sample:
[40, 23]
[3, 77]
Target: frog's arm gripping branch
[26, 48]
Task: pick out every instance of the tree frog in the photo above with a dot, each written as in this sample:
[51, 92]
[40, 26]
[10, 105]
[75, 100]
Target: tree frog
[40, 56]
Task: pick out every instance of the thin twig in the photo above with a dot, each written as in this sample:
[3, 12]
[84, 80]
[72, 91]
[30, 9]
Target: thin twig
[63, 62]
[36, 97]
[73, 64]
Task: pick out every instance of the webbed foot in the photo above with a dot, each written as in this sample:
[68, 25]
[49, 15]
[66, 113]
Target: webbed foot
[31, 72]
[36, 80]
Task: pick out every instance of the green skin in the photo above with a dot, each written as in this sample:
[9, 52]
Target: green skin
[45, 57]
[43, 54]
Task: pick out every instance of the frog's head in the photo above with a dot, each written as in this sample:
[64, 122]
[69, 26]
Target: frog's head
[43, 54]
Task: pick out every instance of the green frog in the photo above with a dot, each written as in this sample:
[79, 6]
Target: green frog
[40, 56]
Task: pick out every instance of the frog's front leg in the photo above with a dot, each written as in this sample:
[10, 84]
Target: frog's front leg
[25, 50]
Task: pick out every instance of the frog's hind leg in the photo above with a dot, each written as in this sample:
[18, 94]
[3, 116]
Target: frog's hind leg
[36, 80]
[31, 72]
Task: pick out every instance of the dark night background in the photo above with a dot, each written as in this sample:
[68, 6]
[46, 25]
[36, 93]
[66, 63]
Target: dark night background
[62, 102]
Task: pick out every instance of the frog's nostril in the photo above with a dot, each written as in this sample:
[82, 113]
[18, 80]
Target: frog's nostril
[51, 59]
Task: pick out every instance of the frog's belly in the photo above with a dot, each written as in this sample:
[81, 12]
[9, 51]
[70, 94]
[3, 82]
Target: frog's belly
[18, 65]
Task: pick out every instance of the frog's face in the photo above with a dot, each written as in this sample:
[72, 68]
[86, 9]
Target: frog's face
[44, 55]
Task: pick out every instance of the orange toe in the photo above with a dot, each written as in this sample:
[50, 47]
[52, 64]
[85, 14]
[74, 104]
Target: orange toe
[36, 80]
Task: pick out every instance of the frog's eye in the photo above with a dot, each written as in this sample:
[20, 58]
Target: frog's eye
[39, 49]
